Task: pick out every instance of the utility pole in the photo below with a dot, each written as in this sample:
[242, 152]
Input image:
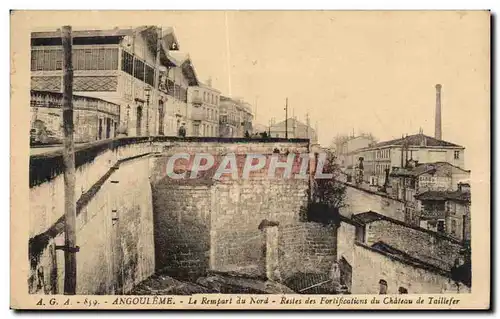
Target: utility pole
[69, 247]
[286, 118]
[307, 124]
[157, 79]
[256, 100]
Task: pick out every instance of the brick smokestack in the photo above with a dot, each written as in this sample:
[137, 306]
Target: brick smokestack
[437, 130]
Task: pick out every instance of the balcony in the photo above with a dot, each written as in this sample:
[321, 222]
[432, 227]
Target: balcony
[196, 99]
[198, 114]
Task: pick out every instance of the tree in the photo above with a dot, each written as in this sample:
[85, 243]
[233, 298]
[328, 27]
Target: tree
[330, 191]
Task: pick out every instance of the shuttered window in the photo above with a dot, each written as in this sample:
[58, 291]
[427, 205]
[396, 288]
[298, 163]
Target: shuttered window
[150, 75]
[139, 69]
[127, 62]
[50, 59]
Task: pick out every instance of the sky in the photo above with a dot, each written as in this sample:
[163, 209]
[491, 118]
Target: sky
[364, 71]
[350, 71]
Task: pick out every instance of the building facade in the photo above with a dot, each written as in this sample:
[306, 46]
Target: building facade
[295, 128]
[94, 119]
[379, 255]
[383, 156]
[346, 151]
[236, 117]
[124, 67]
[406, 183]
[446, 212]
[203, 110]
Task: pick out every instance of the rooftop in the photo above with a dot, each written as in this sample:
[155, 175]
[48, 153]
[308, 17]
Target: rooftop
[399, 255]
[415, 140]
[168, 34]
[423, 168]
[459, 196]
[371, 216]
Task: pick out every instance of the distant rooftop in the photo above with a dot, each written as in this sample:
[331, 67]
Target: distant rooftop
[423, 168]
[415, 140]
[371, 216]
[459, 196]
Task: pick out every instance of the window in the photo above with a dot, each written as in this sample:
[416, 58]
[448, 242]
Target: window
[150, 75]
[127, 62]
[139, 69]
[456, 155]
[196, 129]
[46, 60]
[440, 226]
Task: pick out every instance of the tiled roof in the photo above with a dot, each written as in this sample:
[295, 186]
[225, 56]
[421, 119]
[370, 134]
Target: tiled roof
[402, 256]
[416, 140]
[371, 216]
[444, 195]
[368, 217]
[422, 169]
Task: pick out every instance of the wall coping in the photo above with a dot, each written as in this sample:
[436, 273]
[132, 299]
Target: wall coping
[411, 261]
[371, 192]
[401, 223]
[46, 166]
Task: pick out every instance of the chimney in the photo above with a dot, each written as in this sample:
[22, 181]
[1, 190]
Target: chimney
[437, 132]
[209, 82]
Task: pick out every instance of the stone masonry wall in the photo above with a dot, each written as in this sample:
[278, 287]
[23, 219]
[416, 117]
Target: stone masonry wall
[182, 229]
[371, 266]
[306, 247]
[359, 201]
[427, 246]
[115, 236]
[239, 209]
[220, 218]
[115, 214]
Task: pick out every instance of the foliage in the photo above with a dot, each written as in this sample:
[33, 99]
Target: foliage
[330, 191]
[328, 195]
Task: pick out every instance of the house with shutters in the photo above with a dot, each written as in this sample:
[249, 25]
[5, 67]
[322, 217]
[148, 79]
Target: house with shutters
[134, 68]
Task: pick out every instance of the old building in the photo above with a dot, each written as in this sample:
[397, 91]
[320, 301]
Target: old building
[397, 153]
[175, 80]
[446, 212]
[203, 110]
[295, 128]
[94, 119]
[121, 66]
[346, 151]
[377, 254]
[235, 117]
[417, 178]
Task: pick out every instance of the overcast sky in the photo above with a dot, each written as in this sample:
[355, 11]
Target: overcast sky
[361, 71]
[371, 72]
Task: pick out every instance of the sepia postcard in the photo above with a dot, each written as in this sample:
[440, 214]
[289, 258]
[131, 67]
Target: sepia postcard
[250, 160]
